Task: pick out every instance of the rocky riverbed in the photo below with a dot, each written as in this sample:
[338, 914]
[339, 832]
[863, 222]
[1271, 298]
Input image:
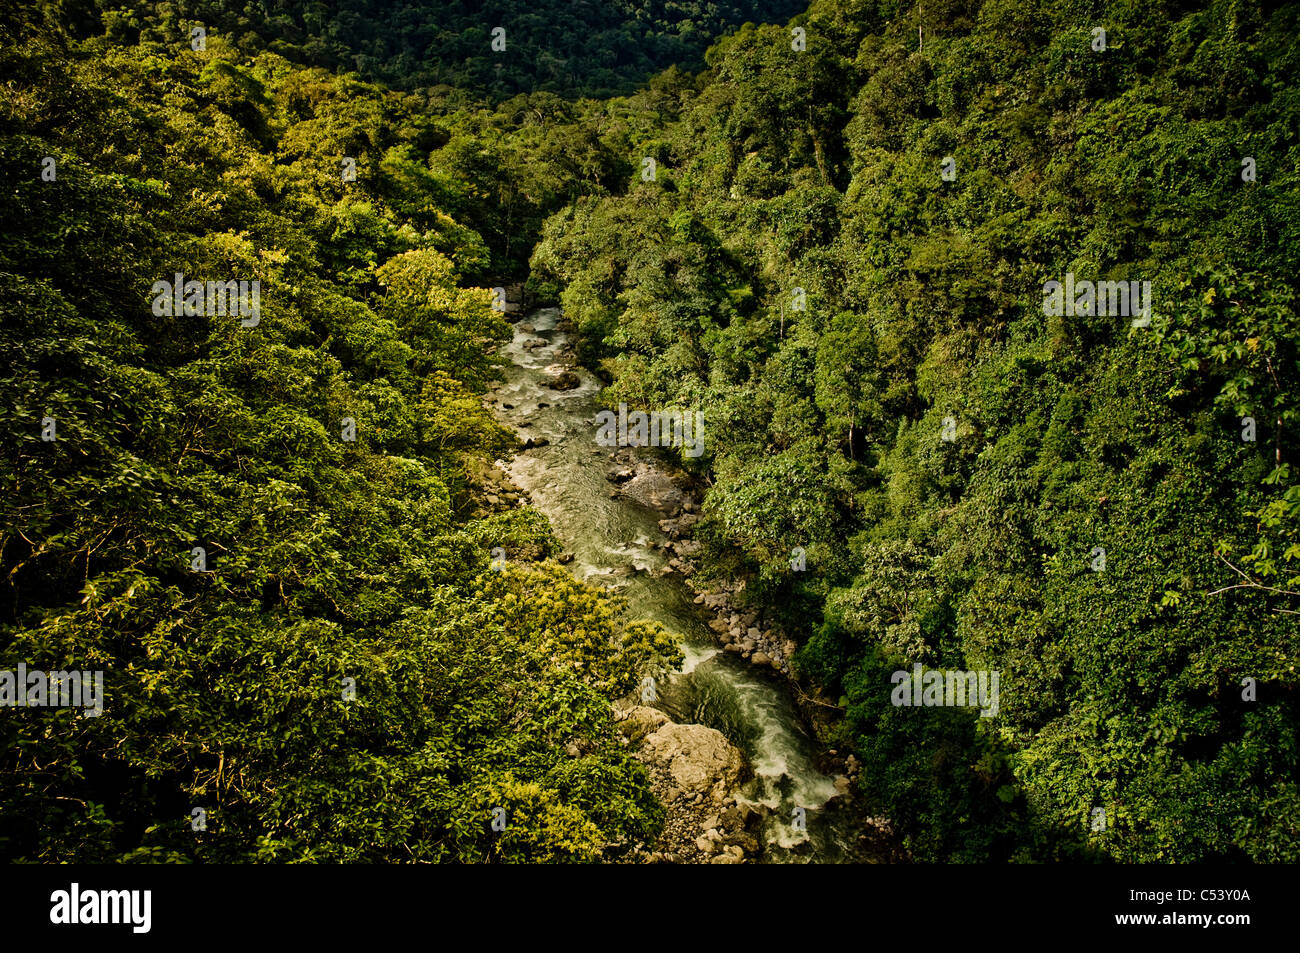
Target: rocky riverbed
[726, 741]
[694, 772]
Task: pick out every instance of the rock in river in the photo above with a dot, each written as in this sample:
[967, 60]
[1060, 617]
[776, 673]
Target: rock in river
[565, 380]
[700, 759]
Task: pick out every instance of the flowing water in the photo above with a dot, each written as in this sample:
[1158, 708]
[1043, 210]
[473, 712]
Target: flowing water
[613, 545]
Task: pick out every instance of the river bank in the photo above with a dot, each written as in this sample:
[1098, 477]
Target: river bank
[624, 519]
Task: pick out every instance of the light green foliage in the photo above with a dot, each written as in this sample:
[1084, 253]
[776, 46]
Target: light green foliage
[328, 559]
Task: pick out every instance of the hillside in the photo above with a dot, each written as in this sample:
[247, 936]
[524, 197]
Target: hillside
[988, 313]
[843, 263]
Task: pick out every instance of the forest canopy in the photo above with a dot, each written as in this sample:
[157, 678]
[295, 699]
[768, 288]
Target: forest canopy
[568, 47]
[261, 529]
[842, 265]
[842, 260]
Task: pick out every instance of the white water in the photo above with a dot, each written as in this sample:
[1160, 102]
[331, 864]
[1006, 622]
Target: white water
[612, 542]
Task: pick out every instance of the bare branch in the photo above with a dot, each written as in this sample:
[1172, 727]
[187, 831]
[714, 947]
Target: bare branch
[1253, 584]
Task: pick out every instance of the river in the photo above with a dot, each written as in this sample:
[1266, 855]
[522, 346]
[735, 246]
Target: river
[613, 543]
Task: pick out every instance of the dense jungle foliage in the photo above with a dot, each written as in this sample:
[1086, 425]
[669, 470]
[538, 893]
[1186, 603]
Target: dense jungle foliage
[327, 560]
[953, 459]
[569, 47]
[839, 259]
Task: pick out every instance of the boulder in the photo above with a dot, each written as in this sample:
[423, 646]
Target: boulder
[640, 721]
[700, 759]
[565, 380]
[744, 817]
[746, 842]
[653, 487]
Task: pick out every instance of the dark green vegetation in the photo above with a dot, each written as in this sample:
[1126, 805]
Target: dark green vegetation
[570, 47]
[326, 560]
[827, 428]
[1121, 689]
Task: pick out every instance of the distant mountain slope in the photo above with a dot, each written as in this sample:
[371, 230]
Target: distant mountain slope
[570, 47]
